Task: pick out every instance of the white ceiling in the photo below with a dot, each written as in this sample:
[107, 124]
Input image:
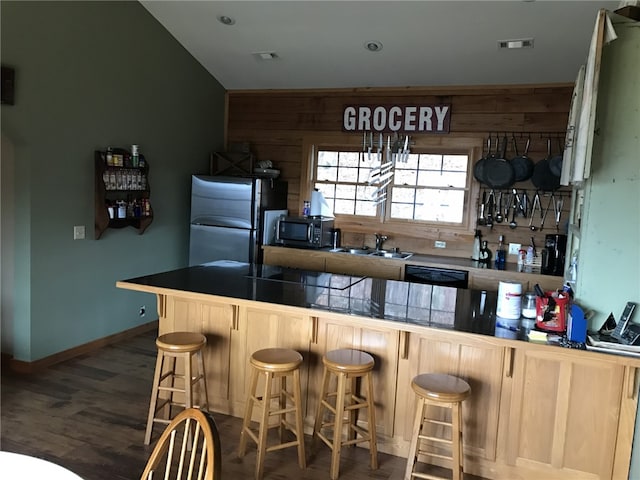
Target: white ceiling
[320, 44]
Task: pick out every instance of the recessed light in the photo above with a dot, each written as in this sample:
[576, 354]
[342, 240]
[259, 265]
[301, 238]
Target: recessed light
[225, 20]
[519, 43]
[373, 46]
[266, 55]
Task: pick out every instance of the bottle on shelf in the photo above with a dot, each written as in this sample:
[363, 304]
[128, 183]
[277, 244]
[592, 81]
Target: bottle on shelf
[475, 255]
[501, 254]
[485, 253]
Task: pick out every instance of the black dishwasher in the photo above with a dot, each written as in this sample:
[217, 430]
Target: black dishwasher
[436, 276]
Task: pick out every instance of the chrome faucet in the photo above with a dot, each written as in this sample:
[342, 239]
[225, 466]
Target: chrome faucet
[380, 239]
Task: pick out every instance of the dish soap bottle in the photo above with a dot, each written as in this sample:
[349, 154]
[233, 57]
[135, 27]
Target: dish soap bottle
[485, 253]
[475, 255]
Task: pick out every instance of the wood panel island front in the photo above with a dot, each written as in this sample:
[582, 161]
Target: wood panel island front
[536, 410]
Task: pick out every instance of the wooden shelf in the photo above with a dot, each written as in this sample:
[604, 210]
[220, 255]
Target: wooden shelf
[121, 191]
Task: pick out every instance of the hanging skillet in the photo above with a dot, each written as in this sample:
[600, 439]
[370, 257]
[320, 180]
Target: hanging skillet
[555, 162]
[478, 168]
[522, 164]
[542, 177]
[498, 172]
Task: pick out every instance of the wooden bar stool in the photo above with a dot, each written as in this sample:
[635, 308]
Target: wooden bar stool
[184, 345]
[274, 363]
[443, 391]
[347, 365]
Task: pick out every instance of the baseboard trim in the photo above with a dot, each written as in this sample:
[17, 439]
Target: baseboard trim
[19, 366]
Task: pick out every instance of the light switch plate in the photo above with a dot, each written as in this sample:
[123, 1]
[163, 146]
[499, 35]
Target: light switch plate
[441, 244]
[78, 232]
[514, 248]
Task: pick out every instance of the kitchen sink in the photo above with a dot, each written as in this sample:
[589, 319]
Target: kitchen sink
[373, 253]
[400, 255]
[358, 251]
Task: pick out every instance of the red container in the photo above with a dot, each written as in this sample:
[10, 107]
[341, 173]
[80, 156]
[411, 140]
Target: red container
[557, 315]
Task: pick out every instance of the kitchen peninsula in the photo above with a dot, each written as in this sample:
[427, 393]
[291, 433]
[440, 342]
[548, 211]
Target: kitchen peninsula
[536, 411]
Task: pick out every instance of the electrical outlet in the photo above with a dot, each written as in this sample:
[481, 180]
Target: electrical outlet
[514, 248]
[441, 244]
[78, 232]
[142, 311]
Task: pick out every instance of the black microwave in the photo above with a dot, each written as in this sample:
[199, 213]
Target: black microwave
[313, 232]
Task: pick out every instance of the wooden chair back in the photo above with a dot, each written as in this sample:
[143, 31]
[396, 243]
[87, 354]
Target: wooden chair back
[189, 448]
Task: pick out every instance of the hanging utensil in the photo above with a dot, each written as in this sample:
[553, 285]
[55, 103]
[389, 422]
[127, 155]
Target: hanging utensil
[552, 201]
[490, 207]
[559, 205]
[513, 223]
[499, 216]
[481, 219]
[536, 205]
[524, 203]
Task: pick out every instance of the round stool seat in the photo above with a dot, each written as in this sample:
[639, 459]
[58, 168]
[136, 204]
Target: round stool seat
[181, 342]
[441, 387]
[276, 359]
[348, 361]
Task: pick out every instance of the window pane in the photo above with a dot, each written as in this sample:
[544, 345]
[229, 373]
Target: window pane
[346, 191]
[406, 195]
[402, 210]
[344, 207]
[439, 205]
[349, 159]
[348, 174]
[455, 162]
[442, 179]
[365, 193]
[430, 162]
[329, 174]
[405, 177]
[327, 159]
[366, 208]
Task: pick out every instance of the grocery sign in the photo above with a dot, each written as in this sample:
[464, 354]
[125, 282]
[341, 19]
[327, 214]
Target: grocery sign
[397, 118]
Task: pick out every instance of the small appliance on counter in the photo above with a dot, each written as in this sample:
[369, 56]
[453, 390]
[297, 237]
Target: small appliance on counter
[553, 255]
[310, 232]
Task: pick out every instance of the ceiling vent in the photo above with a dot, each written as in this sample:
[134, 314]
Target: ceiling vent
[510, 44]
[265, 56]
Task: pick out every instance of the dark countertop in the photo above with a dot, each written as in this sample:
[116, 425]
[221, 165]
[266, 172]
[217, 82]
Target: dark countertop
[471, 311]
[437, 260]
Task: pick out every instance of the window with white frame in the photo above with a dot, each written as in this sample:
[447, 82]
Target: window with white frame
[422, 186]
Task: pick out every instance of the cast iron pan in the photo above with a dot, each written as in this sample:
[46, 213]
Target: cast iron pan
[498, 172]
[555, 162]
[522, 164]
[478, 168]
[542, 176]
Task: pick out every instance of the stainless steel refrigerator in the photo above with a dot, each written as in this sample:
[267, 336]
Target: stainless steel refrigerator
[227, 216]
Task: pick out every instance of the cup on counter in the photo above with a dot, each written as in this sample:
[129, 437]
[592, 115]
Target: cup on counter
[529, 305]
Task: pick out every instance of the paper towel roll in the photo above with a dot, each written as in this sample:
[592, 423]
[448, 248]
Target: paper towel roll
[319, 206]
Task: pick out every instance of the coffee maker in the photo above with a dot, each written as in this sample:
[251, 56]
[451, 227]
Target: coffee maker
[553, 254]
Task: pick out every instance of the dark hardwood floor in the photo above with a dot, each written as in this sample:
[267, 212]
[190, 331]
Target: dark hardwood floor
[88, 414]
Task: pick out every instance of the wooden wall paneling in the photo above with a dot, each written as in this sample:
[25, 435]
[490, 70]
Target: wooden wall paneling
[277, 124]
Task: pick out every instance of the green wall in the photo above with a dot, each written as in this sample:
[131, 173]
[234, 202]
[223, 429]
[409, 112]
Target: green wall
[609, 267]
[90, 75]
